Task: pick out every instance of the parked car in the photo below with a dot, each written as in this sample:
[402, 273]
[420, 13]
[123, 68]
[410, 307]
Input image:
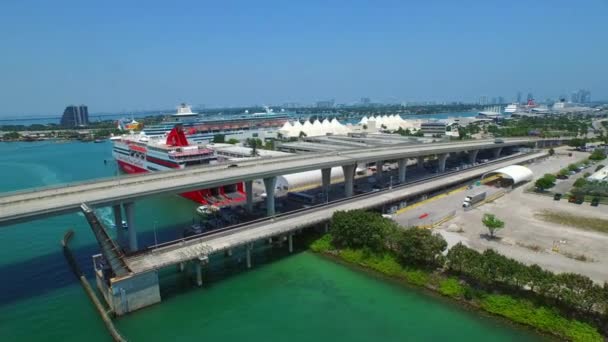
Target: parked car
[557, 196]
[595, 202]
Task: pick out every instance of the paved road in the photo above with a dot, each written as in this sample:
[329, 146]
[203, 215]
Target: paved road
[528, 238]
[40, 203]
[192, 249]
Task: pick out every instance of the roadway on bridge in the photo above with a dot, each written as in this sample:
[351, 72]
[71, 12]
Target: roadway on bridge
[182, 251]
[33, 204]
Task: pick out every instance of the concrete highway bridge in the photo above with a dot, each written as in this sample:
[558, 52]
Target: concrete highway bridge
[138, 285]
[40, 203]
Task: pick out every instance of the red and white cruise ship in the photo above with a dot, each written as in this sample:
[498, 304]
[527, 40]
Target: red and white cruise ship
[140, 153]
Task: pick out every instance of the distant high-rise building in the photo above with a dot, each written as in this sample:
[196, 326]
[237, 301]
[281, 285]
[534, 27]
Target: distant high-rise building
[483, 100]
[325, 104]
[580, 96]
[519, 97]
[75, 116]
[365, 101]
[530, 97]
[574, 97]
[585, 96]
[501, 100]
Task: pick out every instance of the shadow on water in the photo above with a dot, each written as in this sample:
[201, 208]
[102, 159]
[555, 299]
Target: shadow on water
[221, 267]
[48, 272]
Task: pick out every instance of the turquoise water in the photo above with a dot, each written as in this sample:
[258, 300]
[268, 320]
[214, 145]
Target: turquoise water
[298, 297]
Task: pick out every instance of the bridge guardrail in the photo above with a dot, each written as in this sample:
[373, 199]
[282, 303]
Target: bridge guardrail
[322, 205]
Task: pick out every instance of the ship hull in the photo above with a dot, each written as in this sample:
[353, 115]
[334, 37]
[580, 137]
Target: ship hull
[221, 196]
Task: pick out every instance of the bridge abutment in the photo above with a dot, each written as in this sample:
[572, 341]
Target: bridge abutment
[130, 293]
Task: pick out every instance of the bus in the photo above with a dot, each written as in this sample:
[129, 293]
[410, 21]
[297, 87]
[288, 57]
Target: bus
[301, 197]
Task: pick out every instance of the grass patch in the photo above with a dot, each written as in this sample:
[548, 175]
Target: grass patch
[416, 277]
[545, 319]
[451, 287]
[582, 222]
[322, 244]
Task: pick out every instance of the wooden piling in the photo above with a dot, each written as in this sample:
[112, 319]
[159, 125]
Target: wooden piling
[88, 289]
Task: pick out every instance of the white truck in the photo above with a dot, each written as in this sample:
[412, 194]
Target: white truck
[472, 199]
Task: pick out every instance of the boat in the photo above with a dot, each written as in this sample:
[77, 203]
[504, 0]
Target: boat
[202, 128]
[98, 141]
[139, 153]
[512, 108]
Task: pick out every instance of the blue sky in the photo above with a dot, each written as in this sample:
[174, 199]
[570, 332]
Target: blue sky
[127, 55]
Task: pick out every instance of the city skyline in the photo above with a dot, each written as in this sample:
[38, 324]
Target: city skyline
[238, 54]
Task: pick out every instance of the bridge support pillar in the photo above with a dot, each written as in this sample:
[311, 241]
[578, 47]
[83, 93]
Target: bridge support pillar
[120, 231]
[349, 177]
[290, 238]
[270, 183]
[441, 159]
[496, 152]
[420, 163]
[473, 156]
[228, 252]
[326, 227]
[402, 169]
[326, 181]
[249, 195]
[248, 249]
[181, 266]
[380, 172]
[130, 213]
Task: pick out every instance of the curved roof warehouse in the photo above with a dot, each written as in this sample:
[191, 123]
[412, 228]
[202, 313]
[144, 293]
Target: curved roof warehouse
[516, 173]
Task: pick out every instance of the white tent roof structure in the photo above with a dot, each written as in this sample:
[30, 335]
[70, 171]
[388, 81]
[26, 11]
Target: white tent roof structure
[516, 173]
[317, 128]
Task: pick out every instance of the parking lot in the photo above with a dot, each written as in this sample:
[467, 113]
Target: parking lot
[530, 239]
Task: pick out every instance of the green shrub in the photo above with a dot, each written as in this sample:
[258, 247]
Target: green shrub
[451, 287]
[322, 244]
[416, 277]
[545, 319]
[471, 293]
[356, 256]
[359, 229]
[597, 155]
[420, 247]
[385, 263]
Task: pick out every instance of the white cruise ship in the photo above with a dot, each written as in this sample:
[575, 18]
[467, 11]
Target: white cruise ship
[512, 108]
